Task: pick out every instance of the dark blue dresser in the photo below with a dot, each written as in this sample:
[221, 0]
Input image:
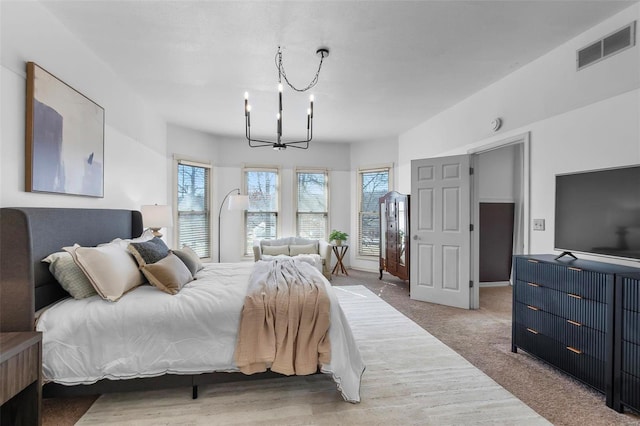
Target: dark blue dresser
[565, 313]
[626, 366]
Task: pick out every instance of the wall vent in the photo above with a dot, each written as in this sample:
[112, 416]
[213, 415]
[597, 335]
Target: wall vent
[611, 44]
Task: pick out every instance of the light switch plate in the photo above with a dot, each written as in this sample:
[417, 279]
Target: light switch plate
[538, 224]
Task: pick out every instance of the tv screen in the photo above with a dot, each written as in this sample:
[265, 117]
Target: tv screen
[598, 212]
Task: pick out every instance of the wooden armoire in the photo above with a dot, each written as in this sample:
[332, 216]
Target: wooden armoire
[394, 234]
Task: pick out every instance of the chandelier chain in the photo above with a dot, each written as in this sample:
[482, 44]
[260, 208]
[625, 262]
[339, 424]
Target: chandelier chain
[282, 73]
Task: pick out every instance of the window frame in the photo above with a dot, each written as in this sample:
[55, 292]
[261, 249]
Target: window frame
[248, 246]
[179, 160]
[326, 213]
[362, 170]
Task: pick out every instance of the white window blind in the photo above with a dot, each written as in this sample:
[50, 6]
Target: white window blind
[261, 219]
[312, 204]
[373, 184]
[194, 226]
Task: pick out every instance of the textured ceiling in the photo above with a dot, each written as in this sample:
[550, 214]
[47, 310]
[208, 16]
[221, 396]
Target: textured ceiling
[393, 64]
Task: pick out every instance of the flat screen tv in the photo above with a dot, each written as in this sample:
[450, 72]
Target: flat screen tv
[598, 212]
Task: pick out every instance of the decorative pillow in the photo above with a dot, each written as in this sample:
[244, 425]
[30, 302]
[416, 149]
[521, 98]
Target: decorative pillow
[69, 275]
[149, 251]
[111, 270]
[146, 236]
[303, 249]
[190, 258]
[275, 250]
[169, 274]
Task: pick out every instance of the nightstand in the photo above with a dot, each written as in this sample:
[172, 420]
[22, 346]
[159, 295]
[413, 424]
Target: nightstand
[21, 378]
[339, 251]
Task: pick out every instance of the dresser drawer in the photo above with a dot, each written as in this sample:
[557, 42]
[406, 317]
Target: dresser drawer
[630, 358]
[580, 365]
[630, 390]
[587, 284]
[567, 332]
[631, 326]
[565, 305]
[631, 291]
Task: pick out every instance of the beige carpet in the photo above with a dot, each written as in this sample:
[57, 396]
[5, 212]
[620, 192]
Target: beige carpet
[411, 378]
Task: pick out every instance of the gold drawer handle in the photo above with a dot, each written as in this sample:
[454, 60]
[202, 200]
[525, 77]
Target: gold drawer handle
[575, 296]
[531, 330]
[532, 261]
[534, 284]
[533, 308]
[577, 324]
[571, 268]
[574, 350]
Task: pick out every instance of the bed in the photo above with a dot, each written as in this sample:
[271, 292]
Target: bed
[28, 235]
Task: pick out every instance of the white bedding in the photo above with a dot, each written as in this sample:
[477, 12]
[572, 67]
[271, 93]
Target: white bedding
[149, 333]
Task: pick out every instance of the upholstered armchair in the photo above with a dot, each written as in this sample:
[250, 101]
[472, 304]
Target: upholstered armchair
[292, 246]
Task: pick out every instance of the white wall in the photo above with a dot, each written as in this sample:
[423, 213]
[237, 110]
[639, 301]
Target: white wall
[135, 136]
[363, 155]
[577, 120]
[228, 156]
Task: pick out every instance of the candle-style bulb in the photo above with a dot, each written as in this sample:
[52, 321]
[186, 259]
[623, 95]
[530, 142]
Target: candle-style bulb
[248, 108]
[308, 111]
[246, 95]
[280, 87]
[311, 98]
[278, 116]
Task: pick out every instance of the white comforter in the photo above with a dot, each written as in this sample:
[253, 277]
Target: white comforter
[149, 333]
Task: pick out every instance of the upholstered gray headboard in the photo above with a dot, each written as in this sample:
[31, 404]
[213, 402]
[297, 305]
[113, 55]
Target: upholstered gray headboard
[28, 235]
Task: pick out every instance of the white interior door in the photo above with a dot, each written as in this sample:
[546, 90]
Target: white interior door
[440, 230]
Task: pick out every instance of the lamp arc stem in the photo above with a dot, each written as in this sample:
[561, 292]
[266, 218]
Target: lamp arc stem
[220, 214]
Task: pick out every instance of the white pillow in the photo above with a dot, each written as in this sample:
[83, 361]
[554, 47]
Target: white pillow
[295, 250]
[111, 269]
[146, 236]
[275, 250]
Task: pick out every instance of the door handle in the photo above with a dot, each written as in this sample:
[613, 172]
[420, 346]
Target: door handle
[416, 238]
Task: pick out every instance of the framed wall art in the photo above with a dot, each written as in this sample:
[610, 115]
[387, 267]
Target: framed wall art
[64, 138]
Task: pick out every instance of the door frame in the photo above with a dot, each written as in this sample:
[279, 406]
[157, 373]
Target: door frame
[524, 139]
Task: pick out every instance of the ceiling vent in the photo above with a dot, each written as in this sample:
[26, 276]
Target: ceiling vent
[613, 43]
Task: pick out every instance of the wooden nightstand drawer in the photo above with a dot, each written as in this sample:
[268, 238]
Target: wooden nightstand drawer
[18, 372]
[21, 378]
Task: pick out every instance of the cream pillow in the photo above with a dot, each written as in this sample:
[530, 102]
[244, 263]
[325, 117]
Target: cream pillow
[111, 270]
[275, 250]
[169, 274]
[303, 249]
[69, 275]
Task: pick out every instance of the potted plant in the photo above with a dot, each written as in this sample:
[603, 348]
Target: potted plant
[338, 237]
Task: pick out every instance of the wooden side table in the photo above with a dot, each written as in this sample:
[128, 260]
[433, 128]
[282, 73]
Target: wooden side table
[21, 378]
[339, 251]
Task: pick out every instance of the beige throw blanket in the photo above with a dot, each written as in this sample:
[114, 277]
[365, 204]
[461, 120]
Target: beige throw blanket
[285, 320]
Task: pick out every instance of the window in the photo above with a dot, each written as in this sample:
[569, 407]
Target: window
[261, 219]
[312, 201]
[194, 226]
[372, 184]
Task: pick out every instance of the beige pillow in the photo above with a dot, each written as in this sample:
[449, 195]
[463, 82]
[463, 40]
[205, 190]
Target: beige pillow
[169, 274]
[275, 250]
[303, 249]
[111, 270]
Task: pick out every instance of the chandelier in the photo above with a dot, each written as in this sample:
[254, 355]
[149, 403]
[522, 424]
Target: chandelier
[279, 144]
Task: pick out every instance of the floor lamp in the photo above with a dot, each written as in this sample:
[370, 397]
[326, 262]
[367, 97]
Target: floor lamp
[236, 202]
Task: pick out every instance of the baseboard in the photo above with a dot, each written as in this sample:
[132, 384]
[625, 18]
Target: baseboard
[495, 284]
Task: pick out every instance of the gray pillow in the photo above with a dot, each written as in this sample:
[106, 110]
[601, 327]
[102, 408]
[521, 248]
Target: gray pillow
[168, 274]
[149, 251]
[295, 250]
[275, 250]
[190, 258]
[69, 275]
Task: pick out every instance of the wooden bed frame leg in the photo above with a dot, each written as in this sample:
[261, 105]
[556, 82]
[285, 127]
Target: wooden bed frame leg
[194, 392]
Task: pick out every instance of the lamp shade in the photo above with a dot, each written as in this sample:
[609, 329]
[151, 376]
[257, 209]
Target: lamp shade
[157, 216]
[238, 202]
